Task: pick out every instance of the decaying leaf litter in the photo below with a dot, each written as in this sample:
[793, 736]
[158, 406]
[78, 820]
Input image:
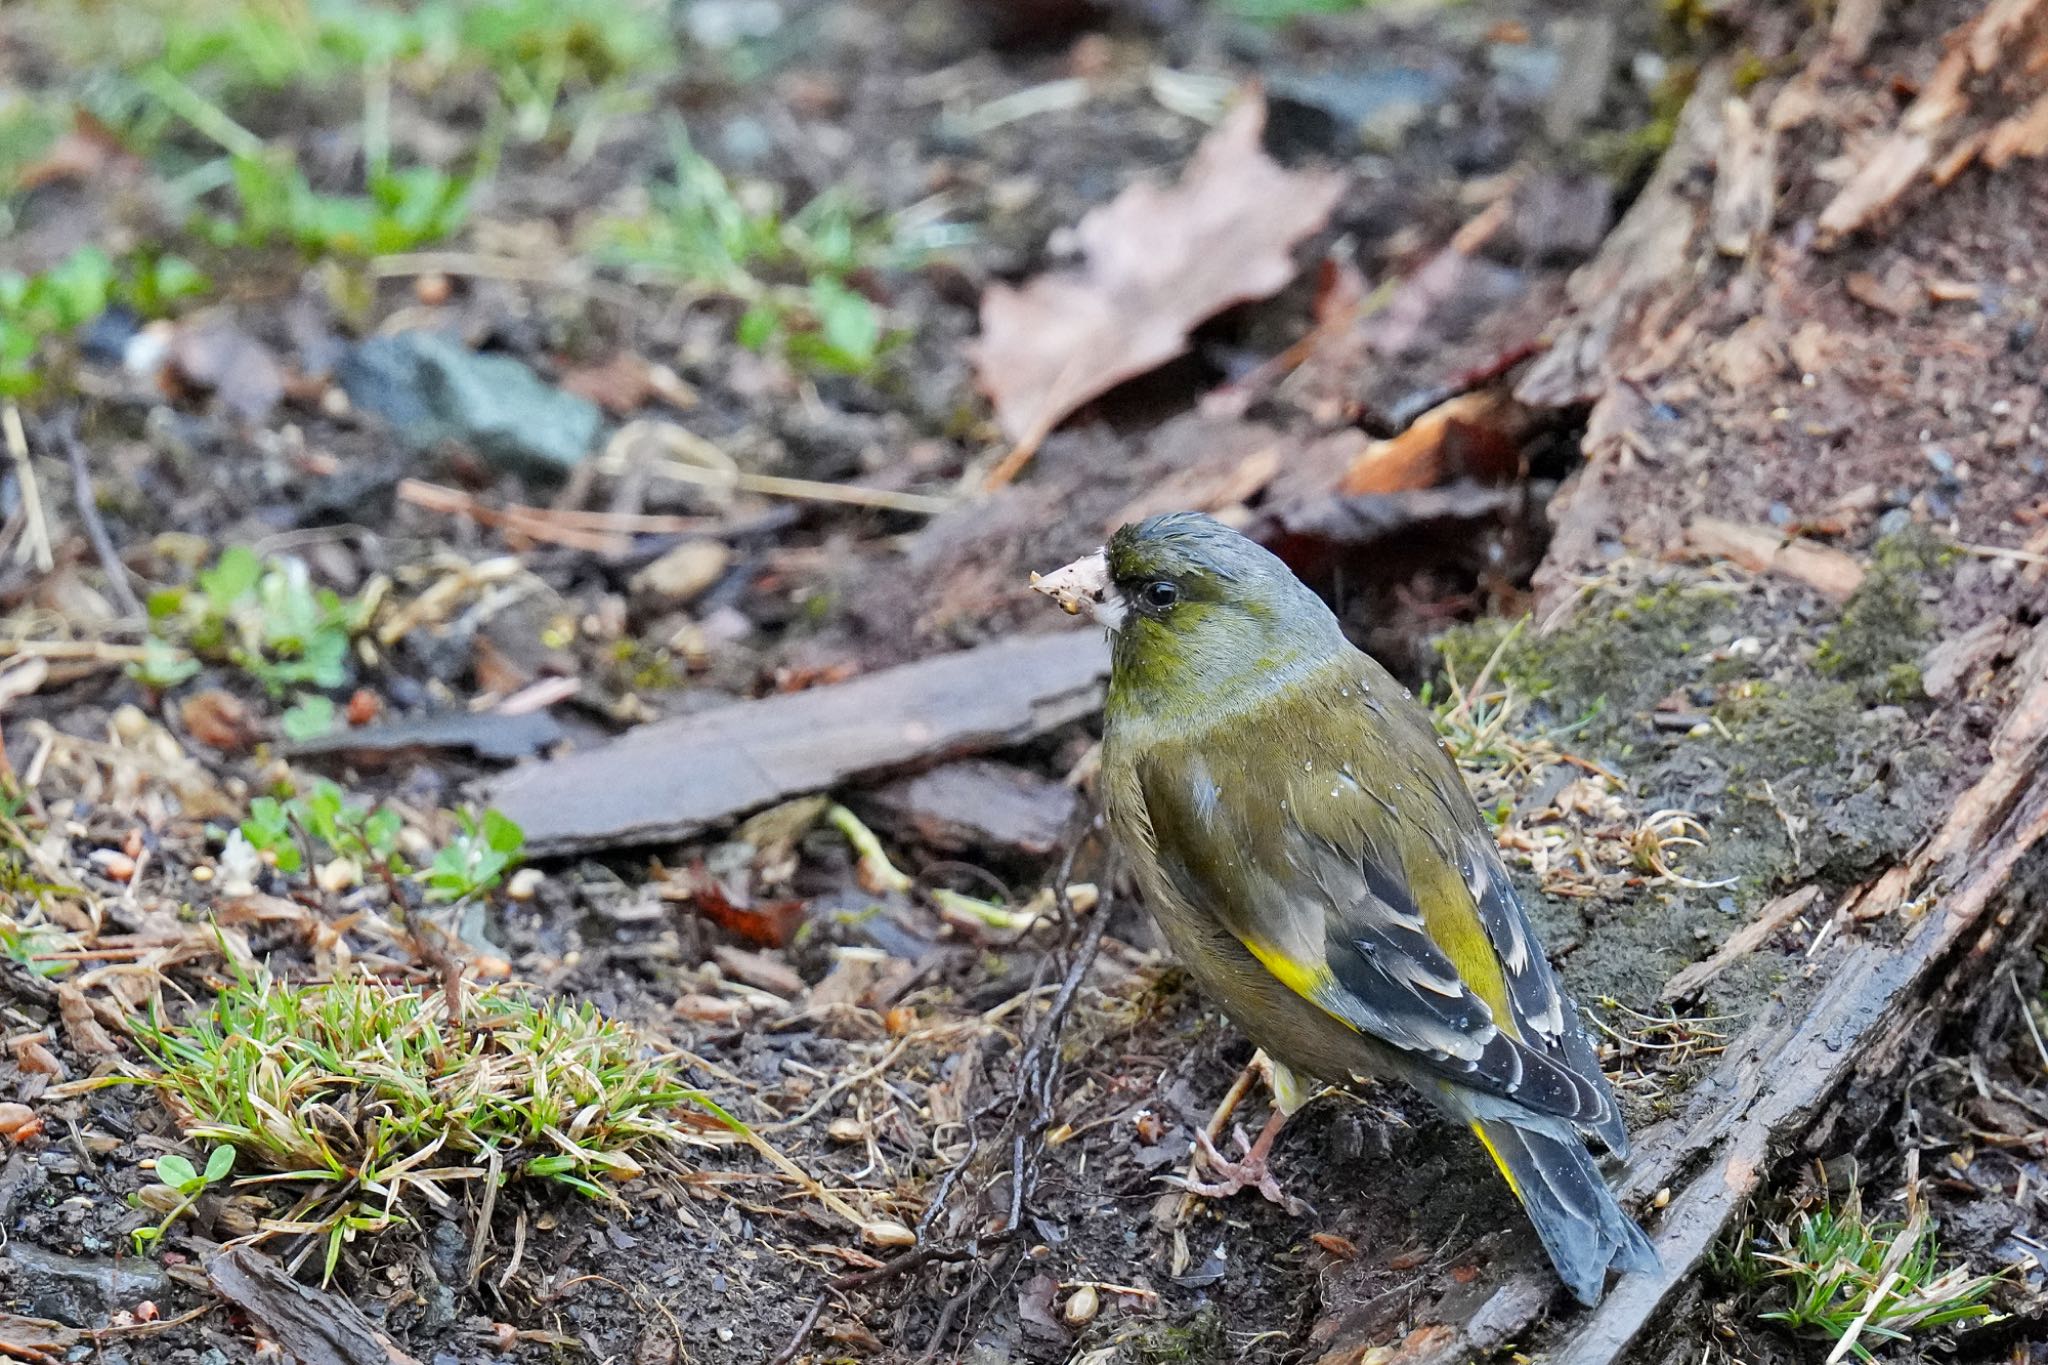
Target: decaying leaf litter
[675, 456]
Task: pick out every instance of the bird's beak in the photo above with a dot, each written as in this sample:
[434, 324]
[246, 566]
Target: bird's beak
[1084, 584]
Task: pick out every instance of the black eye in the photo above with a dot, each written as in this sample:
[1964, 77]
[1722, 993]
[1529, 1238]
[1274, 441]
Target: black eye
[1159, 594]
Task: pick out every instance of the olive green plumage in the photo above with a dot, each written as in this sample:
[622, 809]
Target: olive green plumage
[1313, 856]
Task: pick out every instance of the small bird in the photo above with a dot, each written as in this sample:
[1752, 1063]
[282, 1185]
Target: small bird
[1312, 855]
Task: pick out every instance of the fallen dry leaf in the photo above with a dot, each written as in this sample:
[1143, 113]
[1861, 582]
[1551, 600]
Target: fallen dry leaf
[211, 353]
[87, 151]
[81, 1025]
[1157, 260]
[1474, 435]
[768, 924]
[219, 720]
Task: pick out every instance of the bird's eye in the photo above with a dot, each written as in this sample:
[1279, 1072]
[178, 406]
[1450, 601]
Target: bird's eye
[1159, 594]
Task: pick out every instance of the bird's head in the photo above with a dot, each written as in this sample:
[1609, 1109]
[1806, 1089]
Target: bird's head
[1199, 612]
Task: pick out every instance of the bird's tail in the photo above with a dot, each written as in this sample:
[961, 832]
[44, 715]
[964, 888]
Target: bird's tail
[1554, 1176]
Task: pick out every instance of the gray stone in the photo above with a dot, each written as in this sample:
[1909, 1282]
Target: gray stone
[431, 389]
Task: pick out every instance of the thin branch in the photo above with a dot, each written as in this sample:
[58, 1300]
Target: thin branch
[89, 515]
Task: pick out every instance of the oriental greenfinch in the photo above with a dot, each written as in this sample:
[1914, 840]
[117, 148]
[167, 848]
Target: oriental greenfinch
[1313, 857]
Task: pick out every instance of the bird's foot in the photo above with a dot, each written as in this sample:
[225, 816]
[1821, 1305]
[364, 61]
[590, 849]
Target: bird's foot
[1249, 1172]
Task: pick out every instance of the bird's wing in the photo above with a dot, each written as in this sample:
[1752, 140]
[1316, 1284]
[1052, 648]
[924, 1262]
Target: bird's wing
[1352, 863]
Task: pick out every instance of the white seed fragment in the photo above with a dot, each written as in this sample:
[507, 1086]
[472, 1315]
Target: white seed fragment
[884, 1232]
[338, 876]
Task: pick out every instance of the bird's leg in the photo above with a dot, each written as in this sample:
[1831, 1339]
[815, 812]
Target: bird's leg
[1175, 1208]
[1250, 1170]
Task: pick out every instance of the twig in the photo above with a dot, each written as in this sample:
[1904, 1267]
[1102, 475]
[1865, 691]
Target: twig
[73, 651]
[95, 529]
[840, 1087]
[1034, 1090]
[2027, 1013]
[803, 1331]
[598, 532]
[1747, 939]
[681, 444]
[35, 540]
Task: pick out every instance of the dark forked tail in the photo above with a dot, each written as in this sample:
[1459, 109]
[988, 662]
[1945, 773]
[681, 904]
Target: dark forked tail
[1554, 1176]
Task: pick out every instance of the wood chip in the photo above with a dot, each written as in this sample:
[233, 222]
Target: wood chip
[2025, 134]
[762, 971]
[1831, 572]
[1741, 943]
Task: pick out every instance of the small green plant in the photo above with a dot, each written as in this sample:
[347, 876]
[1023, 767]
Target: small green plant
[162, 665]
[477, 858]
[1847, 1279]
[400, 210]
[35, 308]
[329, 822]
[323, 823]
[374, 1094]
[546, 63]
[309, 718]
[264, 617]
[793, 272]
[184, 1185]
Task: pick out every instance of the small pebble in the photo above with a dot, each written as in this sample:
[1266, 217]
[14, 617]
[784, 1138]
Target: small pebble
[433, 289]
[15, 1118]
[846, 1129]
[117, 865]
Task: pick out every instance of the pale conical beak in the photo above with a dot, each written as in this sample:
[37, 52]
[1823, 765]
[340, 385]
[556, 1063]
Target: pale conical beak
[1084, 585]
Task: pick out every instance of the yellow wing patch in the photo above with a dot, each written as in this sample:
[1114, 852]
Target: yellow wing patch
[1310, 981]
[1514, 1185]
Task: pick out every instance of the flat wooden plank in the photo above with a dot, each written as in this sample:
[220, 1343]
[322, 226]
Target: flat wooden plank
[675, 778]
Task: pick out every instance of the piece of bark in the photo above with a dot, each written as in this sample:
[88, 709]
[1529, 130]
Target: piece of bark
[1853, 26]
[975, 804]
[487, 734]
[313, 1326]
[1956, 659]
[759, 970]
[1648, 247]
[675, 778]
[1828, 571]
[1741, 943]
[1745, 180]
[36, 1339]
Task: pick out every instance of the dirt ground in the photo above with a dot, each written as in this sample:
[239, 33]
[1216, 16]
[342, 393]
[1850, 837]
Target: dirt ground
[1670, 743]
